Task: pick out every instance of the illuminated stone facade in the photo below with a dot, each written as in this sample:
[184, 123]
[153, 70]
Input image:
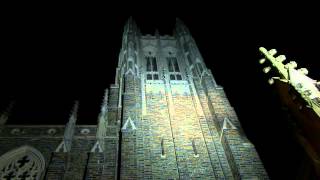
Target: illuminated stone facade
[182, 125]
[164, 118]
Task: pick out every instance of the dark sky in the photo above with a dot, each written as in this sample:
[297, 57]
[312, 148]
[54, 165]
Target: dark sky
[51, 58]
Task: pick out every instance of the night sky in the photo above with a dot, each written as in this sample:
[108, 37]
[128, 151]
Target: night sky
[52, 58]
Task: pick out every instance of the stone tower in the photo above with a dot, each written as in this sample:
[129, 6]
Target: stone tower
[176, 122]
[163, 118]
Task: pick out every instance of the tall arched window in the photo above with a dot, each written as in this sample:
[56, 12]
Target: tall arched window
[22, 163]
[152, 68]
[173, 66]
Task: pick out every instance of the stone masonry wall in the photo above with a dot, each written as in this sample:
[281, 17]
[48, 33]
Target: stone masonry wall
[77, 164]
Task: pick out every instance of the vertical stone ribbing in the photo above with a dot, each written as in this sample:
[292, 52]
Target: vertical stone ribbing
[206, 118]
[128, 144]
[241, 154]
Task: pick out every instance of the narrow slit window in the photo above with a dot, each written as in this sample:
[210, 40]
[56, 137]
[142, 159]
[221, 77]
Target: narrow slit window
[194, 149]
[162, 148]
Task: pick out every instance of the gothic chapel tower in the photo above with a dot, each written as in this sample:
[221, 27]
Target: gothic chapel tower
[174, 121]
[163, 118]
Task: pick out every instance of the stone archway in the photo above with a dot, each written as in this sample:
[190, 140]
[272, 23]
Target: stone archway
[22, 163]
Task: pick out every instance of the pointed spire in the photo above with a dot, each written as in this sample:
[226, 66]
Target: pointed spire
[104, 110]
[74, 112]
[129, 22]
[102, 124]
[104, 106]
[69, 129]
[181, 28]
[5, 115]
[157, 34]
[138, 30]
[179, 22]
[131, 25]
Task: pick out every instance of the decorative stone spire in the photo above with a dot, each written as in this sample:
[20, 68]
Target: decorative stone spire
[157, 34]
[103, 116]
[104, 107]
[131, 26]
[102, 125]
[181, 28]
[69, 130]
[5, 115]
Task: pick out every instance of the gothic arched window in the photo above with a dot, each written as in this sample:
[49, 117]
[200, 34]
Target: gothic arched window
[152, 68]
[22, 163]
[174, 70]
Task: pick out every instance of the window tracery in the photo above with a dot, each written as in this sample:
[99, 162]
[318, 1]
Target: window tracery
[173, 66]
[152, 68]
[22, 163]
